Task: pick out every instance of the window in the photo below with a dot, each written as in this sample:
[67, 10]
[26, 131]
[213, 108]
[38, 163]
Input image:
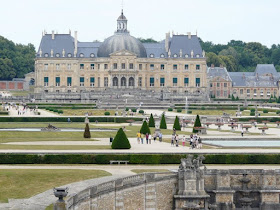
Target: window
[140, 66]
[211, 84]
[152, 82]
[46, 55]
[197, 82]
[115, 66]
[131, 66]
[69, 66]
[82, 66]
[57, 66]
[140, 81]
[218, 84]
[248, 92]
[225, 85]
[152, 66]
[241, 91]
[186, 81]
[162, 55]
[92, 66]
[225, 93]
[123, 65]
[105, 81]
[81, 55]
[57, 55]
[105, 66]
[98, 66]
[162, 66]
[162, 81]
[46, 81]
[46, 66]
[69, 91]
[57, 91]
[92, 82]
[98, 82]
[175, 55]
[175, 80]
[255, 92]
[57, 81]
[69, 81]
[82, 81]
[92, 55]
[218, 93]
[268, 93]
[152, 55]
[197, 55]
[175, 67]
[186, 56]
[69, 55]
[197, 67]
[186, 66]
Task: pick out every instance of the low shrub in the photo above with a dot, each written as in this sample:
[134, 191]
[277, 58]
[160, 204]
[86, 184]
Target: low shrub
[170, 109]
[278, 112]
[252, 113]
[141, 111]
[60, 112]
[242, 109]
[133, 110]
[4, 113]
[265, 111]
[189, 112]
[252, 110]
[126, 109]
[202, 108]
[106, 113]
[55, 110]
[179, 110]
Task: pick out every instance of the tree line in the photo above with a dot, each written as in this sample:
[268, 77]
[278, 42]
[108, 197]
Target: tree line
[15, 59]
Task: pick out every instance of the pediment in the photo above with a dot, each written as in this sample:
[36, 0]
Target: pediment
[123, 53]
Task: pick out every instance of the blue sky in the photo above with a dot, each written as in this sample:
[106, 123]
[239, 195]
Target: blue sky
[216, 20]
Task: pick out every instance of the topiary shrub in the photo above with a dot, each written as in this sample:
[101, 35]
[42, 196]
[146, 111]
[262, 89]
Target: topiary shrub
[252, 110]
[55, 110]
[87, 132]
[179, 110]
[242, 109]
[133, 110]
[252, 113]
[265, 111]
[145, 128]
[162, 122]
[189, 112]
[120, 141]
[197, 123]
[60, 112]
[106, 113]
[170, 109]
[151, 121]
[126, 109]
[141, 111]
[203, 108]
[176, 125]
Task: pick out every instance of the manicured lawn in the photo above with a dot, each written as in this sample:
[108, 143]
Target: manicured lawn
[54, 147]
[40, 125]
[91, 112]
[22, 183]
[213, 112]
[20, 93]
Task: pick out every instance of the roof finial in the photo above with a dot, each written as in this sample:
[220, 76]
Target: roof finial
[122, 7]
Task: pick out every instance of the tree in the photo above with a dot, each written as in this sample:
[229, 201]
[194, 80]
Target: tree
[120, 141]
[145, 128]
[151, 121]
[87, 132]
[237, 99]
[148, 40]
[278, 100]
[196, 124]
[232, 97]
[176, 125]
[162, 122]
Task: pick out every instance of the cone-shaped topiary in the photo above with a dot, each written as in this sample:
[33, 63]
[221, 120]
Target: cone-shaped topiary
[87, 132]
[196, 124]
[176, 125]
[120, 141]
[162, 122]
[151, 121]
[145, 128]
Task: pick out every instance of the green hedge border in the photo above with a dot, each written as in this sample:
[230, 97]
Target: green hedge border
[64, 119]
[135, 158]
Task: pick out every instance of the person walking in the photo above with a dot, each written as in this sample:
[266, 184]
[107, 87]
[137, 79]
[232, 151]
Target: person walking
[172, 139]
[177, 140]
[150, 138]
[160, 137]
[138, 137]
[183, 141]
[155, 137]
[199, 143]
[242, 133]
[147, 138]
[142, 138]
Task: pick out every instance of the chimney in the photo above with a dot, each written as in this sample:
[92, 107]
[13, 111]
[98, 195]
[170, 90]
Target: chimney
[243, 76]
[167, 37]
[212, 65]
[257, 75]
[52, 34]
[76, 44]
[189, 35]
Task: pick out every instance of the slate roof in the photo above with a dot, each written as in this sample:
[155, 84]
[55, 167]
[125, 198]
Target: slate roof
[222, 72]
[265, 69]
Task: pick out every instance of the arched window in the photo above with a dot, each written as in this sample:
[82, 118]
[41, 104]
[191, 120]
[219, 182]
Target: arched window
[152, 55]
[175, 55]
[123, 81]
[162, 55]
[115, 82]
[186, 56]
[46, 55]
[81, 55]
[131, 82]
[57, 55]
[92, 55]
[69, 55]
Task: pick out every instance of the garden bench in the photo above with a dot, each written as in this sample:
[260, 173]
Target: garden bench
[119, 161]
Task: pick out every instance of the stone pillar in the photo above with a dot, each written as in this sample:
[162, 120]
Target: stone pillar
[269, 192]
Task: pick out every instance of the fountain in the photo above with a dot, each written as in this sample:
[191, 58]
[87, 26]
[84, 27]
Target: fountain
[50, 128]
[245, 201]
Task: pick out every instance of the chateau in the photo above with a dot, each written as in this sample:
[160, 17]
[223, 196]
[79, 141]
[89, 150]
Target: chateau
[174, 66]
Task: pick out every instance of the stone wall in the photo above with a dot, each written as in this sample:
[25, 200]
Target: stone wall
[157, 191]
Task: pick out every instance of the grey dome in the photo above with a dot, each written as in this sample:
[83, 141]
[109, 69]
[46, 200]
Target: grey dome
[121, 41]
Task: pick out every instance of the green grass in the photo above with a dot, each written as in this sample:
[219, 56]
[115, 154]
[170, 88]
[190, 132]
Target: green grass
[91, 112]
[140, 171]
[22, 183]
[40, 125]
[54, 147]
[212, 112]
[20, 93]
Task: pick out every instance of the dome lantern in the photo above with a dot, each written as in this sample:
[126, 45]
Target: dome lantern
[122, 24]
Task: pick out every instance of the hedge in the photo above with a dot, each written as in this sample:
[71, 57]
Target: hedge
[179, 110]
[170, 109]
[135, 158]
[107, 113]
[4, 113]
[258, 119]
[64, 119]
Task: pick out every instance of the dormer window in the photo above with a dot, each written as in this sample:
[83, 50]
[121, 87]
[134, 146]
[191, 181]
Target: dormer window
[46, 55]
[162, 55]
[186, 56]
[152, 55]
[57, 55]
[81, 55]
[69, 55]
[175, 55]
[92, 55]
[197, 56]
